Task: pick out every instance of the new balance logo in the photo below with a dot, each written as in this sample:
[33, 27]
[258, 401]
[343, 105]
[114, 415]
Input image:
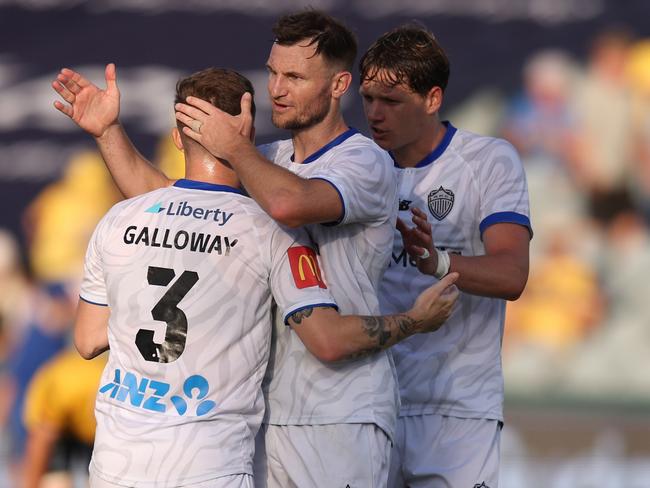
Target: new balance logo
[404, 205]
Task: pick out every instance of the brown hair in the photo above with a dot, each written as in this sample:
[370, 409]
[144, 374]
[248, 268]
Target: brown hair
[333, 40]
[222, 87]
[408, 54]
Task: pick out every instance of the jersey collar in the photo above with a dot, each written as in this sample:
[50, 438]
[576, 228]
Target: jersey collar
[438, 150]
[333, 143]
[201, 185]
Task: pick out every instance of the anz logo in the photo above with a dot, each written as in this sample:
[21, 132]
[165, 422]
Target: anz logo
[151, 395]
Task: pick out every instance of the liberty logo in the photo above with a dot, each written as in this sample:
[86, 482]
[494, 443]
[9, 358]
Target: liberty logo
[184, 209]
[441, 201]
[157, 208]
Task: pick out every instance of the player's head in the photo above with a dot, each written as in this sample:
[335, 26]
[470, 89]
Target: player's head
[222, 87]
[403, 77]
[309, 68]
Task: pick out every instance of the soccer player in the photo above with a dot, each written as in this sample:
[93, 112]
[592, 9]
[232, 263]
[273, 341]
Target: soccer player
[473, 189]
[176, 283]
[320, 418]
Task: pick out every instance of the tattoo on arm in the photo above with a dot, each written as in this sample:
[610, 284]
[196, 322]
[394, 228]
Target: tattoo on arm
[301, 314]
[375, 327]
[381, 329]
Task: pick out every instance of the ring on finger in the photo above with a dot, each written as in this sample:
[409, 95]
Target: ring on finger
[425, 254]
[196, 125]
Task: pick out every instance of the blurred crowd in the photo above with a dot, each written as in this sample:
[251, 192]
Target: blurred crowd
[582, 327]
[582, 128]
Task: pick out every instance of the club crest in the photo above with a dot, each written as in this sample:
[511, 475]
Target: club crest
[441, 202]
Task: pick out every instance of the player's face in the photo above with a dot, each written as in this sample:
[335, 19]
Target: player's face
[397, 116]
[300, 86]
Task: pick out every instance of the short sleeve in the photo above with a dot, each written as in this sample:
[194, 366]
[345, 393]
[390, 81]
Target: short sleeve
[364, 177]
[504, 191]
[296, 278]
[93, 285]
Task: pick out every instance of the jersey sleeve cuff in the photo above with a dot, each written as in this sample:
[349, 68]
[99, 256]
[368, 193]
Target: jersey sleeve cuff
[93, 302]
[303, 307]
[342, 217]
[506, 218]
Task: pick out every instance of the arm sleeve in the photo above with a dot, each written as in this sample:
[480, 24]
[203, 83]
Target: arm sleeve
[504, 192]
[364, 177]
[295, 277]
[93, 286]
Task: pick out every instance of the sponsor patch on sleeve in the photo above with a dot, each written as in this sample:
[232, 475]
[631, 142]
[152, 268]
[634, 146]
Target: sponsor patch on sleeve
[304, 267]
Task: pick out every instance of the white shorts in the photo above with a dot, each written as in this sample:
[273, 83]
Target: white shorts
[436, 451]
[231, 481]
[321, 456]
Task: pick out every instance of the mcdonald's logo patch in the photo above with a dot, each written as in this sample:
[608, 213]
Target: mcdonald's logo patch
[304, 267]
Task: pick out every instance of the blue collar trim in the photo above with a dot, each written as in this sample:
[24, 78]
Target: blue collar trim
[201, 185]
[439, 149]
[333, 143]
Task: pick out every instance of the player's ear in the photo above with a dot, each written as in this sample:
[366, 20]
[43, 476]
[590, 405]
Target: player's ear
[176, 137]
[340, 83]
[433, 100]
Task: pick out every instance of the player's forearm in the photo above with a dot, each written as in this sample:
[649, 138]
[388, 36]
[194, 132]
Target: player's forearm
[282, 194]
[497, 276]
[132, 172]
[371, 334]
[332, 337]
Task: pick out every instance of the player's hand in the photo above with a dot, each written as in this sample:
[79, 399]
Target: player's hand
[217, 131]
[418, 241]
[91, 108]
[435, 304]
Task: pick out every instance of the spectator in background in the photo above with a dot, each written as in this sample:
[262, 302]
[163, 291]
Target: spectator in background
[60, 418]
[602, 166]
[59, 222]
[638, 72]
[541, 123]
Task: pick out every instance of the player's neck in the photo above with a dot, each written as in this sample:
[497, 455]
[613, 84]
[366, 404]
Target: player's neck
[308, 141]
[410, 155]
[210, 170]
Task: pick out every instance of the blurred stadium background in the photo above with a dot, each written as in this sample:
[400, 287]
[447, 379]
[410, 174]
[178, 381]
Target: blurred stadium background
[566, 81]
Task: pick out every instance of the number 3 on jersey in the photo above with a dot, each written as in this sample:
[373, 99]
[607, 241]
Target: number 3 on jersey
[166, 310]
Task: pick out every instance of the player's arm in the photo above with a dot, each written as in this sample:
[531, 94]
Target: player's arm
[97, 112]
[332, 337]
[501, 273]
[287, 198]
[91, 329]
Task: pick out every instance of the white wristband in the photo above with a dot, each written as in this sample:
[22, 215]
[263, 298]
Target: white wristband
[443, 263]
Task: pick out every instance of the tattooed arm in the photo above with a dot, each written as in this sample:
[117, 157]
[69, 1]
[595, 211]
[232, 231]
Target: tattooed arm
[333, 337]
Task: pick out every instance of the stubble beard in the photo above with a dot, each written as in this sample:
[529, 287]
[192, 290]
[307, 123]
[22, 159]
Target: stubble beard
[305, 120]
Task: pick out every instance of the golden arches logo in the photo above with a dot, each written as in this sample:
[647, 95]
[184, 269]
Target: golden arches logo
[304, 267]
[313, 267]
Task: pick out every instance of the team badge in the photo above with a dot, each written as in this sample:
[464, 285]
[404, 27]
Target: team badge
[441, 202]
[304, 267]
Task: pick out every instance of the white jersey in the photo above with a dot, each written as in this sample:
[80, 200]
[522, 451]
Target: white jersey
[354, 253]
[465, 185]
[187, 272]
